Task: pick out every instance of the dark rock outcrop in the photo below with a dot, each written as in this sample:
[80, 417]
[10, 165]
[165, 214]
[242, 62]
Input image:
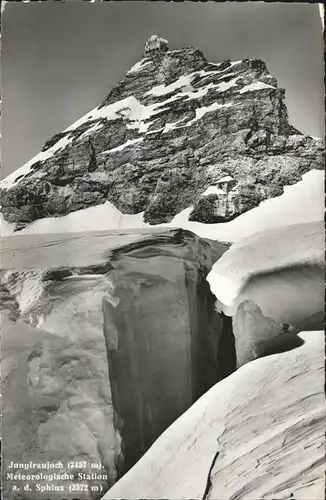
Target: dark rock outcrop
[173, 127]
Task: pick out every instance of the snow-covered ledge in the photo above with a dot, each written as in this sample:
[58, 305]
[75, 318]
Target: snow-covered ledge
[280, 269]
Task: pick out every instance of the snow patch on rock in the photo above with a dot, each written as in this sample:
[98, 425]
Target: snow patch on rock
[256, 86]
[200, 112]
[94, 128]
[121, 147]
[185, 81]
[232, 63]
[139, 66]
[182, 81]
[213, 190]
[11, 180]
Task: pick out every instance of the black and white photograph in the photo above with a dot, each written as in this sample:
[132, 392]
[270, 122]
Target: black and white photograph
[162, 250]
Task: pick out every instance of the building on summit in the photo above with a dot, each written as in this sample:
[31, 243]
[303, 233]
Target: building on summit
[155, 45]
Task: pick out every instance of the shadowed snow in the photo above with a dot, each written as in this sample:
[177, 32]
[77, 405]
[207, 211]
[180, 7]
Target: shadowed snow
[266, 423]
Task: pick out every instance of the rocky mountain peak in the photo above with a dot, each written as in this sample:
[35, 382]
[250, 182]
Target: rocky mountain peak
[163, 139]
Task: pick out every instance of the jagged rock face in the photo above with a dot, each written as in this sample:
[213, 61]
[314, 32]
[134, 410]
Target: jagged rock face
[163, 337]
[84, 298]
[171, 129]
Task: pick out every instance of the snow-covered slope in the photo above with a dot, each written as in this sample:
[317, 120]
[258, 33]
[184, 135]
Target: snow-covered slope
[301, 202]
[99, 218]
[257, 434]
[281, 270]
